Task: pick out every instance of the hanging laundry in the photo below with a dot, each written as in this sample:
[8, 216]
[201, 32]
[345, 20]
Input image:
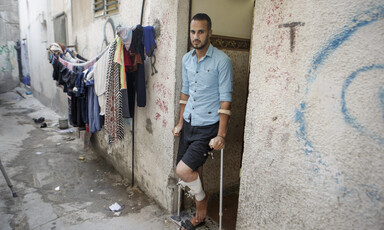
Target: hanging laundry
[126, 35]
[114, 126]
[99, 75]
[149, 40]
[105, 89]
[138, 48]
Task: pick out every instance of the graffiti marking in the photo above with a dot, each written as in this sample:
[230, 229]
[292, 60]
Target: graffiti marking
[349, 119]
[292, 30]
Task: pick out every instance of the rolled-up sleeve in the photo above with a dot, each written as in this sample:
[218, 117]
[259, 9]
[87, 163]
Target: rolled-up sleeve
[225, 80]
[185, 86]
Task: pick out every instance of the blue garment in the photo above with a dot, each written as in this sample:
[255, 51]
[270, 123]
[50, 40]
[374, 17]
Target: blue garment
[207, 83]
[93, 110]
[149, 40]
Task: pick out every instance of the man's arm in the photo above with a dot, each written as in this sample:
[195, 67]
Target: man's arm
[183, 101]
[218, 142]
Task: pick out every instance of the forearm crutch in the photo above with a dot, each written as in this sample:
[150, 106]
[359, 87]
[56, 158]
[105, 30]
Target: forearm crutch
[221, 189]
[177, 218]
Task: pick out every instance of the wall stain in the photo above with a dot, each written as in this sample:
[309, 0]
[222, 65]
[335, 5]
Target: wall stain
[148, 126]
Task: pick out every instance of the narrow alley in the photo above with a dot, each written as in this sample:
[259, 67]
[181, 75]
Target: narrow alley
[59, 183]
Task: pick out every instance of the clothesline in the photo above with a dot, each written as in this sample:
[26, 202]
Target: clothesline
[106, 93]
[80, 66]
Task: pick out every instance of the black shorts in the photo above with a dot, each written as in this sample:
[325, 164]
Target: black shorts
[194, 144]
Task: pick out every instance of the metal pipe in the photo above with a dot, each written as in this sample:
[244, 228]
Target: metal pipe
[133, 150]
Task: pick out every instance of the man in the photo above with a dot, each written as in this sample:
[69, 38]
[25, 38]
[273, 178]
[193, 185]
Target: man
[205, 103]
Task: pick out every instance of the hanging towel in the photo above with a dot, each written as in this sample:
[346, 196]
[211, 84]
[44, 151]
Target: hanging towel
[119, 58]
[99, 75]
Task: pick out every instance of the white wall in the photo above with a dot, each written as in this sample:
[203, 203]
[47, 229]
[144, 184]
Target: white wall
[314, 146]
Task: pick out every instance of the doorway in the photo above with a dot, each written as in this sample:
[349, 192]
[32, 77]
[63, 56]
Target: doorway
[232, 27]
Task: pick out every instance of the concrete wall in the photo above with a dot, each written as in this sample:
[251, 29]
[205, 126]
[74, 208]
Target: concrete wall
[9, 34]
[314, 146]
[36, 27]
[154, 142]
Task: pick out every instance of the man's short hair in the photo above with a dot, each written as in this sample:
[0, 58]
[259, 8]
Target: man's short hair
[203, 17]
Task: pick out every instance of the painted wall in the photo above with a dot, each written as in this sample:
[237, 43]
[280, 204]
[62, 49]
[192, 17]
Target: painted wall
[314, 146]
[229, 17]
[154, 142]
[9, 34]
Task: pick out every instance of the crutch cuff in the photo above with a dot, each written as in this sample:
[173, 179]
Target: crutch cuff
[225, 111]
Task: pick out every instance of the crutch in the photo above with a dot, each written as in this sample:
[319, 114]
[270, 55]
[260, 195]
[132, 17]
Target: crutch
[177, 218]
[221, 189]
[7, 179]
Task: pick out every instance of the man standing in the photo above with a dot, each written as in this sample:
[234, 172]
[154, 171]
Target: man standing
[205, 103]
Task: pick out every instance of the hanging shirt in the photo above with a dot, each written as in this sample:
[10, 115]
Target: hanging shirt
[207, 83]
[99, 75]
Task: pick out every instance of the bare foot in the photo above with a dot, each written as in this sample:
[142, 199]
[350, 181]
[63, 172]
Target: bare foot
[201, 208]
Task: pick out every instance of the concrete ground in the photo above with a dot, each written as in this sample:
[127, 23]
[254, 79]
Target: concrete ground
[56, 187]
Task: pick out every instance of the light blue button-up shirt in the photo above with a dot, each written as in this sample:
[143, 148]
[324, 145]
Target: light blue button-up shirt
[207, 83]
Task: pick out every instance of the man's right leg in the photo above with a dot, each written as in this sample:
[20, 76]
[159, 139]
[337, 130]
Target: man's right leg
[191, 179]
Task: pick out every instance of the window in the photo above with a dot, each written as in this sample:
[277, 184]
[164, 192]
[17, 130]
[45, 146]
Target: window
[60, 28]
[104, 7]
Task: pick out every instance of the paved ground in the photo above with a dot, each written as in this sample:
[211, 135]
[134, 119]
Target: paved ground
[56, 189]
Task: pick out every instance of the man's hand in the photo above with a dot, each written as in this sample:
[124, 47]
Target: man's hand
[217, 143]
[177, 130]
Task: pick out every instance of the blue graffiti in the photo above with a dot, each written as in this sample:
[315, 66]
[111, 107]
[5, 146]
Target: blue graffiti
[314, 156]
[319, 59]
[303, 137]
[372, 193]
[330, 47]
[349, 119]
[381, 96]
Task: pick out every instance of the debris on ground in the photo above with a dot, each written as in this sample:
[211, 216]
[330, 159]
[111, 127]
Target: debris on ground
[44, 125]
[68, 138]
[57, 188]
[39, 153]
[117, 213]
[39, 120]
[70, 130]
[81, 158]
[116, 207]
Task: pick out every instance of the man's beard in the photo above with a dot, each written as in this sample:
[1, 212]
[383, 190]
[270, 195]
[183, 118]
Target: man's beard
[202, 45]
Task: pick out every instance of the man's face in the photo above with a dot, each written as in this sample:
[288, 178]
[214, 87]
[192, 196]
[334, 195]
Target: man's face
[199, 34]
